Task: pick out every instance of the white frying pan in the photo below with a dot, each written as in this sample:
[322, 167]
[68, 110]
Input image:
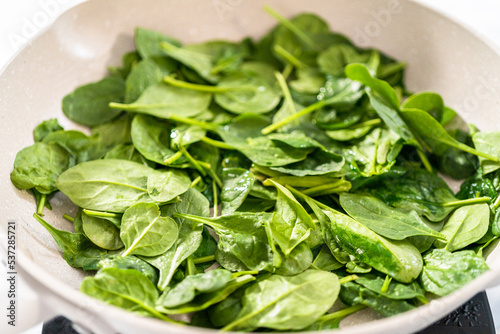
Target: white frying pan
[442, 55]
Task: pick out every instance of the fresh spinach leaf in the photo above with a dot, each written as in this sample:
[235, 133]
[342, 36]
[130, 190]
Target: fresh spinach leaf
[395, 290]
[277, 302]
[101, 232]
[190, 235]
[456, 163]
[106, 185]
[39, 166]
[166, 184]
[466, 225]
[144, 232]
[299, 259]
[353, 294]
[205, 300]
[384, 220]
[129, 262]
[193, 285]
[78, 250]
[236, 184]
[147, 72]
[419, 190]
[44, 128]
[242, 235]
[151, 137]
[427, 101]
[128, 152]
[445, 272]
[434, 135]
[201, 63]
[399, 259]
[290, 224]
[164, 101]
[125, 288]
[487, 142]
[89, 104]
[76, 143]
[148, 42]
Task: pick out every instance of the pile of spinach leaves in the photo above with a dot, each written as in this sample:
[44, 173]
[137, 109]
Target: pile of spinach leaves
[297, 165]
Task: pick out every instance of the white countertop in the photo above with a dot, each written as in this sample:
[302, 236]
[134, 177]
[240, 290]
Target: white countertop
[21, 20]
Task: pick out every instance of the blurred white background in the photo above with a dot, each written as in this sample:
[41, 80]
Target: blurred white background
[22, 20]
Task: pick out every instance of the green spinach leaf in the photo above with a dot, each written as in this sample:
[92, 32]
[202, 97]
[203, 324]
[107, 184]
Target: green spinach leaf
[384, 220]
[39, 166]
[399, 259]
[277, 302]
[466, 225]
[89, 104]
[101, 232]
[236, 184]
[445, 272]
[144, 232]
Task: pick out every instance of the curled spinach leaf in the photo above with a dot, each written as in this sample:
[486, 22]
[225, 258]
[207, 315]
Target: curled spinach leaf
[399, 259]
[39, 166]
[101, 232]
[243, 237]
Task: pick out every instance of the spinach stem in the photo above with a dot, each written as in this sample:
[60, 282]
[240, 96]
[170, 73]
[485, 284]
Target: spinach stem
[101, 214]
[195, 181]
[307, 110]
[320, 190]
[289, 57]
[386, 284]
[204, 259]
[216, 204]
[191, 267]
[467, 201]
[203, 88]
[241, 273]
[173, 158]
[304, 196]
[480, 250]
[190, 121]
[286, 92]
[209, 170]
[287, 70]
[473, 151]
[315, 267]
[68, 217]
[292, 27]
[348, 279]
[342, 313]
[157, 314]
[424, 160]
[370, 122]
[41, 204]
[496, 204]
[422, 299]
[217, 143]
[192, 161]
